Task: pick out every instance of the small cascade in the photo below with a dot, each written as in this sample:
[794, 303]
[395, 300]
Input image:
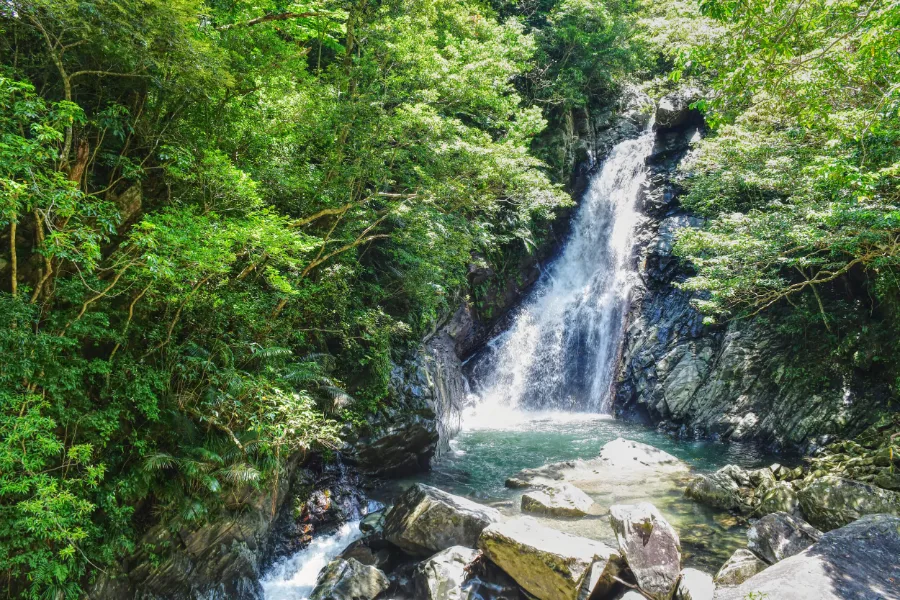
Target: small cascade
[560, 352]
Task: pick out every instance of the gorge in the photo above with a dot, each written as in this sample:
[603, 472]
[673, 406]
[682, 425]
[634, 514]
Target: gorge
[449, 299]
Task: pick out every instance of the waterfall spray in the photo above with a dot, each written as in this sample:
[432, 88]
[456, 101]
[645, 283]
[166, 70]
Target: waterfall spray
[561, 350]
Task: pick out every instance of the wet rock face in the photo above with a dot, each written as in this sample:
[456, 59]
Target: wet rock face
[426, 520]
[779, 535]
[830, 502]
[650, 546]
[857, 561]
[674, 109]
[549, 564]
[442, 576]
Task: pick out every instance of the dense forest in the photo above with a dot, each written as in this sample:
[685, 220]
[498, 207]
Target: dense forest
[222, 221]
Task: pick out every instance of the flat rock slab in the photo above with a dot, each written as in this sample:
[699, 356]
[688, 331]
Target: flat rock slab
[549, 564]
[779, 535]
[742, 565]
[425, 520]
[558, 500]
[856, 562]
[830, 502]
[621, 464]
[650, 546]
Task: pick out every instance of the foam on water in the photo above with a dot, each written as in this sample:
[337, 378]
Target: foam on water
[294, 577]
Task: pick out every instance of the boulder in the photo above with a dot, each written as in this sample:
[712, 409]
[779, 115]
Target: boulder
[363, 552]
[558, 500]
[373, 523]
[442, 576]
[779, 496]
[721, 489]
[830, 502]
[858, 562]
[549, 564]
[349, 580]
[779, 535]
[425, 520]
[650, 546]
[742, 565]
[674, 109]
[694, 585]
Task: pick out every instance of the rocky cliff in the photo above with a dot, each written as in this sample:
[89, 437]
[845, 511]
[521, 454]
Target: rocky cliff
[729, 382]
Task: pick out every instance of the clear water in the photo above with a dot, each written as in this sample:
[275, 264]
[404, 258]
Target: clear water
[483, 457]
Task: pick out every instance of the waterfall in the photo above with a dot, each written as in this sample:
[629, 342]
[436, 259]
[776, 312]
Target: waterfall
[560, 352]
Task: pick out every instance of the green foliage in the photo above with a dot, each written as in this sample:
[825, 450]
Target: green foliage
[220, 223]
[799, 179]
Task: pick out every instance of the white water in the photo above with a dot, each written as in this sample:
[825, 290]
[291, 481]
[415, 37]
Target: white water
[294, 577]
[561, 350]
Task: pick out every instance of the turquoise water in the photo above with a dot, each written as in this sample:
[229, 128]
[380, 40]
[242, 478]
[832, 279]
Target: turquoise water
[492, 449]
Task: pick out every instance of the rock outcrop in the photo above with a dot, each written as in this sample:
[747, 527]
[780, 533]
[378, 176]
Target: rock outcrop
[742, 565]
[549, 564]
[779, 535]
[722, 382]
[349, 580]
[650, 546]
[857, 561]
[426, 520]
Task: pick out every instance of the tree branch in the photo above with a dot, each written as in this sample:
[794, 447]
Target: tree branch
[273, 17]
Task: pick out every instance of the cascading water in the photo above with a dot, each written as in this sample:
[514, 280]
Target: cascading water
[561, 350]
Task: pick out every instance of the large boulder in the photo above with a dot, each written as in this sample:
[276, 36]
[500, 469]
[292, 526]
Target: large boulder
[558, 500]
[650, 546]
[694, 585]
[425, 520]
[722, 489]
[830, 502]
[779, 496]
[855, 562]
[550, 564]
[779, 535]
[442, 576]
[674, 109]
[742, 565]
[349, 580]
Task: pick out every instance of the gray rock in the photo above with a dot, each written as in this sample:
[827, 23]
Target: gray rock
[718, 490]
[349, 580]
[674, 109]
[361, 551]
[830, 502]
[780, 496]
[650, 546]
[557, 499]
[442, 576]
[694, 585]
[742, 565]
[779, 535]
[373, 522]
[549, 564]
[425, 520]
[855, 562]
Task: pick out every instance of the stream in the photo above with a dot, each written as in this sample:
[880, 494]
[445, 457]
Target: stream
[540, 392]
